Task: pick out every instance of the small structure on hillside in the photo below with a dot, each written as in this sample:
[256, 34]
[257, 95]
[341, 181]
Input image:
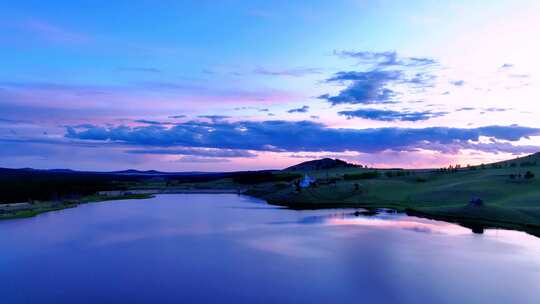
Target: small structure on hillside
[476, 202]
[306, 181]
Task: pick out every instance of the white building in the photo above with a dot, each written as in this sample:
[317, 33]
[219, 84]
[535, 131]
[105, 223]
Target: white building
[306, 181]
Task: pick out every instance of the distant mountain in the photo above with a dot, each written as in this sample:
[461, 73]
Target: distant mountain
[123, 172]
[321, 164]
[44, 170]
[138, 172]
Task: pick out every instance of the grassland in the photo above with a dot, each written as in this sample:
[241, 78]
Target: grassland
[509, 199]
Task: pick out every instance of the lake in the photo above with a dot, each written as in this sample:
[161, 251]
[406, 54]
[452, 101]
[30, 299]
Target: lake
[226, 248]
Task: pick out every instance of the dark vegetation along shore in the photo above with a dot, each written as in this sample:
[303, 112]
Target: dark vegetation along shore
[504, 194]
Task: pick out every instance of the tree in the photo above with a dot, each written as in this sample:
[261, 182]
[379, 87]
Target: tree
[297, 187]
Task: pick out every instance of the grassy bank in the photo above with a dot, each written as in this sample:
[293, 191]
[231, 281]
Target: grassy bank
[42, 207]
[509, 199]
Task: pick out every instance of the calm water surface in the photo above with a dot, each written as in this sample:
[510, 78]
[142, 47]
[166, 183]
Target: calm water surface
[236, 249]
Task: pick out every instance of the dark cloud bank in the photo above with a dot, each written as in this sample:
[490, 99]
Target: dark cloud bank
[389, 115]
[299, 136]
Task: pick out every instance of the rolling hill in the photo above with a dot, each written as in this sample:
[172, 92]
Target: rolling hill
[321, 164]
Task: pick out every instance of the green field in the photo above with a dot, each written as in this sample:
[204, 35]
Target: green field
[510, 199]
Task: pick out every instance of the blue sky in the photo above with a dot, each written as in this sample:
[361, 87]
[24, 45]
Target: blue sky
[234, 85]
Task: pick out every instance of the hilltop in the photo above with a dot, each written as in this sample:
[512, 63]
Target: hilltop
[321, 164]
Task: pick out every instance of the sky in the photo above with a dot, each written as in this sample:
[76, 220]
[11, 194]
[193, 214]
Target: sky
[243, 85]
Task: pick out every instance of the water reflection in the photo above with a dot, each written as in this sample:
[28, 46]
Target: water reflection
[235, 249]
[387, 219]
[383, 219]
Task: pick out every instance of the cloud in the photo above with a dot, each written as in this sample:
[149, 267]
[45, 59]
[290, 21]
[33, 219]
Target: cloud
[177, 116]
[303, 109]
[12, 121]
[366, 87]
[64, 88]
[510, 69]
[194, 88]
[483, 110]
[458, 83]
[214, 118]
[251, 108]
[373, 75]
[389, 115]
[196, 159]
[377, 84]
[84, 102]
[490, 147]
[519, 76]
[493, 109]
[384, 81]
[421, 80]
[204, 152]
[294, 72]
[296, 136]
[66, 154]
[385, 59]
[51, 142]
[466, 109]
[151, 122]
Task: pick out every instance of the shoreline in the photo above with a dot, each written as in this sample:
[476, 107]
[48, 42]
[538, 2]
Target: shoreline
[476, 224]
[44, 207]
[473, 223]
[30, 210]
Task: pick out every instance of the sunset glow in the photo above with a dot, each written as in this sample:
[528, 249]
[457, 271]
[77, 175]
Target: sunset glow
[237, 85]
